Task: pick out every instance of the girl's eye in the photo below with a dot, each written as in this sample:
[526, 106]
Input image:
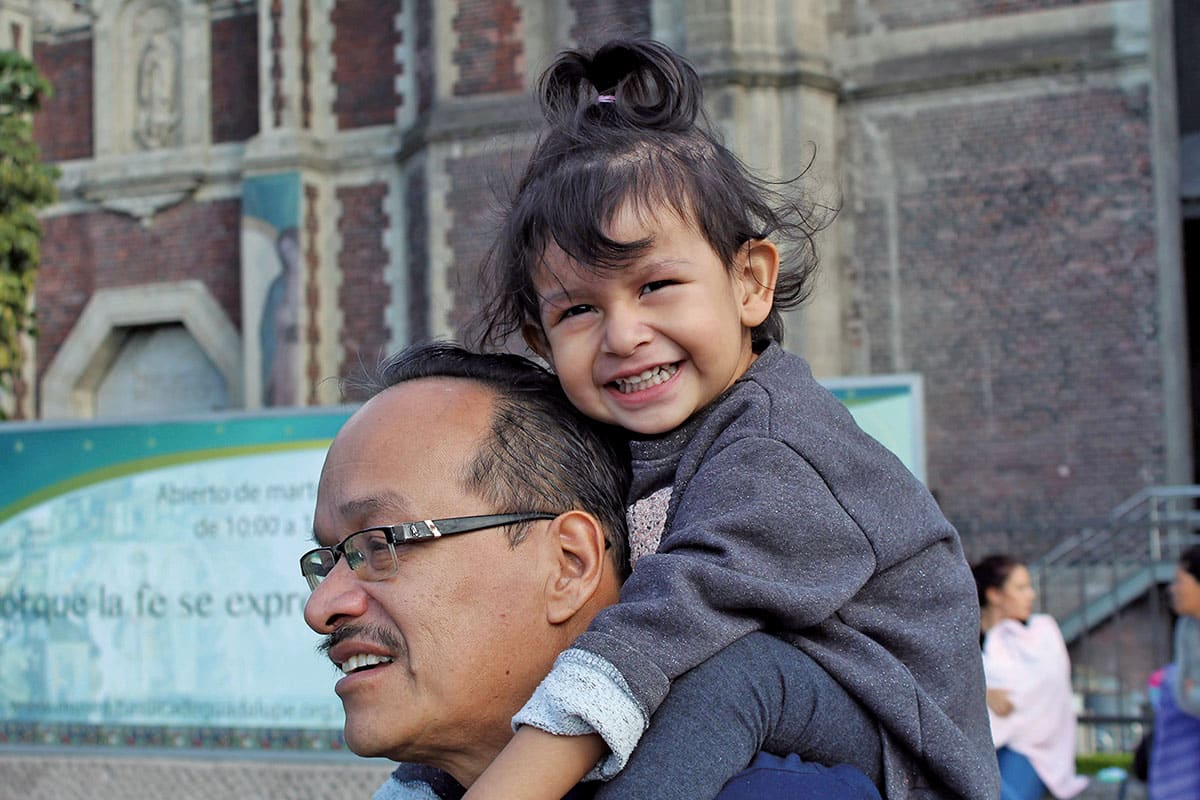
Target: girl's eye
[654, 286]
[575, 311]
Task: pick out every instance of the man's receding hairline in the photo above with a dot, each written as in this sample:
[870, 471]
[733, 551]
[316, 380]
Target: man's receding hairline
[492, 392]
[481, 383]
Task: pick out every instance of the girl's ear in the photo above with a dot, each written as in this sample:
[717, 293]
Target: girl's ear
[758, 269]
[535, 337]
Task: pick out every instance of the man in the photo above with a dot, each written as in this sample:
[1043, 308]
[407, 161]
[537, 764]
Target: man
[442, 641]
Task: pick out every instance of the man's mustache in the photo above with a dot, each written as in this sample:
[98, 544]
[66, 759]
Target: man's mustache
[378, 634]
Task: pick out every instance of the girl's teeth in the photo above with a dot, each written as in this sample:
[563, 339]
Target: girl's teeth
[651, 377]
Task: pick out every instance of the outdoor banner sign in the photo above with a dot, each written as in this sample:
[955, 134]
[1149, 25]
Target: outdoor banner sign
[150, 589]
[892, 409]
[150, 592]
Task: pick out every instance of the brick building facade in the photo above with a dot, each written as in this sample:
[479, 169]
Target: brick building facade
[1004, 224]
[1017, 182]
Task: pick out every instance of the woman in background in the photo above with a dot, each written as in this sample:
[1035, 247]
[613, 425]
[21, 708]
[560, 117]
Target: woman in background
[1175, 754]
[1028, 673]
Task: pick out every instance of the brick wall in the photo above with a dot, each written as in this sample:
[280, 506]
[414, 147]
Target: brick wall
[312, 294]
[422, 38]
[85, 252]
[63, 128]
[474, 200]
[858, 18]
[488, 50]
[416, 224]
[306, 64]
[363, 296]
[1027, 297]
[275, 54]
[364, 49]
[235, 78]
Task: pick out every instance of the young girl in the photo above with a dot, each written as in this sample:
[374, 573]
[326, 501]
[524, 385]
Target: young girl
[636, 260]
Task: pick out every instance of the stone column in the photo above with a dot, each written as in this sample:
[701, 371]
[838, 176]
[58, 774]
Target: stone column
[769, 87]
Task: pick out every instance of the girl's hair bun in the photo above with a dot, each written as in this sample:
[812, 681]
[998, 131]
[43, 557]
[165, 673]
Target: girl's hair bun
[651, 86]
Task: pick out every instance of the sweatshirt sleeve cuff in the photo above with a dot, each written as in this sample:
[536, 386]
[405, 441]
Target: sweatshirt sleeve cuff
[583, 694]
[393, 789]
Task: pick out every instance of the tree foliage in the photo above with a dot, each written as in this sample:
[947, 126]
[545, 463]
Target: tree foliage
[25, 186]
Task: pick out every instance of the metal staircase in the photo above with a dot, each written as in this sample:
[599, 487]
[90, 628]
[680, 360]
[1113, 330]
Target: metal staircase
[1103, 586]
[1090, 576]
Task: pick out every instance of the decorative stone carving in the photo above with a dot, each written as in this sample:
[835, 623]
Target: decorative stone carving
[151, 75]
[155, 37]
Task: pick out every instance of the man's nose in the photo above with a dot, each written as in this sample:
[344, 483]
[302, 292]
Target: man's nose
[625, 329]
[338, 598]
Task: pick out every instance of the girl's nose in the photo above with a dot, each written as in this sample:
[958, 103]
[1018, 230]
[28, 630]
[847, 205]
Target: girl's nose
[624, 332]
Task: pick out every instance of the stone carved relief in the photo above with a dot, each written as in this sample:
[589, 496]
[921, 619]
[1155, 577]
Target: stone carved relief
[155, 39]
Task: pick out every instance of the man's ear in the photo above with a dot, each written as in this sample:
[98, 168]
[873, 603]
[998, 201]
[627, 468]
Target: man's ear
[758, 270]
[579, 564]
[535, 337]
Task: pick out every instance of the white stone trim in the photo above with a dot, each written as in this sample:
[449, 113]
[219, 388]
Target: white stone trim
[17, 13]
[322, 90]
[329, 284]
[1127, 21]
[266, 88]
[406, 59]
[70, 382]
[546, 26]
[445, 71]
[438, 217]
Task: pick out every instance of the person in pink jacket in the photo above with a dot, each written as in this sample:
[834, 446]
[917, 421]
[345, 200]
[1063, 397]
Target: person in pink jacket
[1028, 674]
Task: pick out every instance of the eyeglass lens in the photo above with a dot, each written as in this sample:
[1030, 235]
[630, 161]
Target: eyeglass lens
[369, 553]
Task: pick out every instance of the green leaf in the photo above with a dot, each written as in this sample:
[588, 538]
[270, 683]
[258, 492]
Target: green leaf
[26, 185]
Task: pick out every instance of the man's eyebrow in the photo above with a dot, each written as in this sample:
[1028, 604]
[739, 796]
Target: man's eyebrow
[386, 508]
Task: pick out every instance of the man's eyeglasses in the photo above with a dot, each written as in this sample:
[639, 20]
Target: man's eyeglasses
[371, 553]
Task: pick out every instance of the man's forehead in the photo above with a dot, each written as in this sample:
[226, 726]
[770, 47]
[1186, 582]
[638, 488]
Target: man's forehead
[404, 453]
[437, 399]
[422, 410]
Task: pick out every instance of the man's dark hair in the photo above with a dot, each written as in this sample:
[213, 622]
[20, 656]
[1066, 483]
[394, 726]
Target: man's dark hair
[542, 453]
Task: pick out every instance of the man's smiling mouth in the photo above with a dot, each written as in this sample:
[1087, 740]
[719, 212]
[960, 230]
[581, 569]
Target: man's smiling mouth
[651, 377]
[363, 661]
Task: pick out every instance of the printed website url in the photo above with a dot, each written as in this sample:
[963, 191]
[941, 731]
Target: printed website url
[201, 710]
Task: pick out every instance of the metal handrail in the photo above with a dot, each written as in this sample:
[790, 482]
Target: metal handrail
[1123, 516]
[1125, 508]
